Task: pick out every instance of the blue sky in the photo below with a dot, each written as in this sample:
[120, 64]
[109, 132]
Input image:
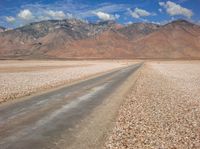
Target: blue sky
[15, 13]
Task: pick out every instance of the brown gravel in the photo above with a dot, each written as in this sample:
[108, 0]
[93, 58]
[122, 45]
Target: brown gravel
[162, 110]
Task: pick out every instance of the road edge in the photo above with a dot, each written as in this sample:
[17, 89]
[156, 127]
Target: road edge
[57, 87]
[96, 128]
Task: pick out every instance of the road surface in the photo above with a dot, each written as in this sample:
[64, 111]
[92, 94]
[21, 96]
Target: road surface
[38, 121]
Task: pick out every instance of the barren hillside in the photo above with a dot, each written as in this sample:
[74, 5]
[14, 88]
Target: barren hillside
[78, 39]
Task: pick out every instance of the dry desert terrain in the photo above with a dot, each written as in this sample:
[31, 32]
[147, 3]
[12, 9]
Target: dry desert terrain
[162, 110]
[20, 78]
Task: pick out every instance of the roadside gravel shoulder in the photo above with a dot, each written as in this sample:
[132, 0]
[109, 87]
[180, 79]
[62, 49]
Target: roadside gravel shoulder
[20, 84]
[162, 111]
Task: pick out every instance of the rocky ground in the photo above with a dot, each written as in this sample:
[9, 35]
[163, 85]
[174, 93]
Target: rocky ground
[162, 110]
[18, 79]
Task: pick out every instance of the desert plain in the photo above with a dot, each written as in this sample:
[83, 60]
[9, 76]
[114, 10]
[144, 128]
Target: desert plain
[21, 78]
[160, 108]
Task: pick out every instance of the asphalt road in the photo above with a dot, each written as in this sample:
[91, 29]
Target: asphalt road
[38, 121]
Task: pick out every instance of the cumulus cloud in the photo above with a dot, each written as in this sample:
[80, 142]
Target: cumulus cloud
[70, 8]
[10, 19]
[25, 14]
[105, 16]
[56, 14]
[137, 13]
[176, 9]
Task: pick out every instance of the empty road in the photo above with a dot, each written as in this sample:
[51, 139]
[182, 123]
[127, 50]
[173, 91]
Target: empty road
[37, 122]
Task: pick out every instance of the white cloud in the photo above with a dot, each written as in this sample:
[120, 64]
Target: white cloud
[176, 9]
[137, 13]
[71, 8]
[56, 14]
[25, 14]
[129, 23]
[10, 19]
[105, 16]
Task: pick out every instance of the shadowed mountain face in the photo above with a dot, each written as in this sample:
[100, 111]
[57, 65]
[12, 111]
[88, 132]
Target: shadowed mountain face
[78, 39]
[138, 30]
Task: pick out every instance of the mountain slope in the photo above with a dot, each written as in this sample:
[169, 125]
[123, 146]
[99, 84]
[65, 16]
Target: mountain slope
[109, 44]
[138, 30]
[38, 38]
[179, 39]
[78, 39]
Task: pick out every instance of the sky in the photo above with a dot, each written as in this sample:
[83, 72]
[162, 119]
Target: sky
[15, 13]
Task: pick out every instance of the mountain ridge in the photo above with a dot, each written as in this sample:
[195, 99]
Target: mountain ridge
[72, 38]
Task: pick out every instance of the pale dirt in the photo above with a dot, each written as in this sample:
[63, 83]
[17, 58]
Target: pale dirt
[163, 109]
[21, 78]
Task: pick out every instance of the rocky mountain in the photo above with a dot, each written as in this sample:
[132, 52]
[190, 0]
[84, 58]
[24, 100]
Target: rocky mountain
[109, 44]
[74, 38]
[138, 30]
[38, 38]
[178, 39]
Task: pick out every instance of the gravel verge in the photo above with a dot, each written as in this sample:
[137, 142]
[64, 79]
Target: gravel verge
[162, 110]
[19, 84]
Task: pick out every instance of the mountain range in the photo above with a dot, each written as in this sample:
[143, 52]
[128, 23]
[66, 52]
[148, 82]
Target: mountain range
[72, 38]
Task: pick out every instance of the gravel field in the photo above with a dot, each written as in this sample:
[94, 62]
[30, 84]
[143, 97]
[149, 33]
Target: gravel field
[17, 84]
[162, 110]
